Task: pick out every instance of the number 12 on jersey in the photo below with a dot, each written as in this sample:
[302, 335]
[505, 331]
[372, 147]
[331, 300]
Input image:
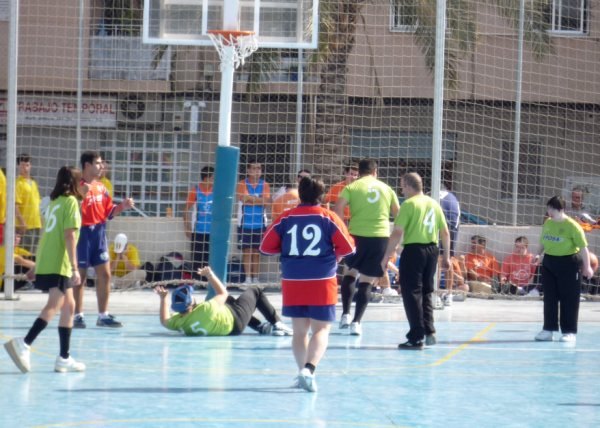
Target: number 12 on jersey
[312, 234]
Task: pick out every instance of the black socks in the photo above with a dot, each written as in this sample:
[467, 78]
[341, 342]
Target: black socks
[38, 326]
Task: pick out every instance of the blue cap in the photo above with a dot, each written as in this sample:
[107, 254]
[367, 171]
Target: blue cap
[181, 298]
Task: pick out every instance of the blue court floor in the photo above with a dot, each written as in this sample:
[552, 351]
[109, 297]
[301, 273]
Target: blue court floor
[481, 374]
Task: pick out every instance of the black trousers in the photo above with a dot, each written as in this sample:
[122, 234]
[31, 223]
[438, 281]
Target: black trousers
[418, 264]
[561, 281]
[243, 307]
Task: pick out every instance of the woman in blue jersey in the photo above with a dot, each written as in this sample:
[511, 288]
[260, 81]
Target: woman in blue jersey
[56, 272]
[254, 195]
[311, 239]
[198, 216]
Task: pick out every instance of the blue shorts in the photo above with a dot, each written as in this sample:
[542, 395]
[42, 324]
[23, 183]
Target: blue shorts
[92, 247]
[319, 313]
[250, 238]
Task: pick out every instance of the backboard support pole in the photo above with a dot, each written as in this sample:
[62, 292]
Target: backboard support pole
[227, 158]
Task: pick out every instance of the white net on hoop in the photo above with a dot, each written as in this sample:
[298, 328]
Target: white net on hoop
[234, 48]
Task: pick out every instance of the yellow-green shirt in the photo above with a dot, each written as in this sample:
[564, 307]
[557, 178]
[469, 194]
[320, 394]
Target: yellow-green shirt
[52, 257]
[421, 218]
[27, 198]
[370, 202]
[562, 238]
[209, 318]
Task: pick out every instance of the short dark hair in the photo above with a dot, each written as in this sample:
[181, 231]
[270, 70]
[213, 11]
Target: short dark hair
[206, 172]
[23, 157]
[311, 190]
[88, 157]
[522, 240]
[413, 180]
[351, 167]
[556, 202]
[479, 239]
[367, 166]
[306, 171]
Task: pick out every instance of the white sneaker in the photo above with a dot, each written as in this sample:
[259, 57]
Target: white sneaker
[307, 381]
[569, 338]
[355, 329]
[255, 281]
[544, 336]
[248, 281]
[448, 299]
[20, 353]
[63, 365]
[345, 321]
[534, 292]
[460, 297]
[389, 291]
[280, 329]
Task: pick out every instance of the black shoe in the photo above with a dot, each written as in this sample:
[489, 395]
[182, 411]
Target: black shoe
[78, 322]
[430, 339]
[108, 322]
[412, 346]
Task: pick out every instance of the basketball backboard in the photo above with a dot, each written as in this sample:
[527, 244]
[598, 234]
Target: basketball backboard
[277, 23]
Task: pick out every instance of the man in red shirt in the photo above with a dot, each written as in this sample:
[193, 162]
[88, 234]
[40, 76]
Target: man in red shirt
[92, 248]
[518, 269]
[481, 267]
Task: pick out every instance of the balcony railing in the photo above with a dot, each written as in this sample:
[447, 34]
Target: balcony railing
[125, 58]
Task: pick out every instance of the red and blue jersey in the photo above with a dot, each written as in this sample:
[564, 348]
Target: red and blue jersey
[97, 206]
[310, 239]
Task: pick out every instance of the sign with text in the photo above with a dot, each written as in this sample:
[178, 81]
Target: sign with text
[96, 112]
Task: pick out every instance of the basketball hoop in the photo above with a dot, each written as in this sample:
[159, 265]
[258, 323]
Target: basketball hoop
[243, 44]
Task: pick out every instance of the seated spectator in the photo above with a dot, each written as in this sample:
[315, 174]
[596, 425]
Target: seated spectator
[451, 279]
[518, 269]
[22, 261]
[481, 267]
[222, 315]
[125, 263]
[578, 210]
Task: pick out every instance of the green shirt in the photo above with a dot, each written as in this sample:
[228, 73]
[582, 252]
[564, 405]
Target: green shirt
[52, 257]
[562, 238]
[421, 218]
[209, 318]
[370, 202]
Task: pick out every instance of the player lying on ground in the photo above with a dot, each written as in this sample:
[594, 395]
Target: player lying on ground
[222, 315]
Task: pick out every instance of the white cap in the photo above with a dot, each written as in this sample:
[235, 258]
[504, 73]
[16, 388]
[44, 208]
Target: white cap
[120, 243]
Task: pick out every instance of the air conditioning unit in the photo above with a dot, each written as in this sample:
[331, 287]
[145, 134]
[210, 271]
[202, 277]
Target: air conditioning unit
[139, 111]
[183, 115]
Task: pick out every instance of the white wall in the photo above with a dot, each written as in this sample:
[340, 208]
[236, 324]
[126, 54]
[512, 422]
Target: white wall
[156, 236]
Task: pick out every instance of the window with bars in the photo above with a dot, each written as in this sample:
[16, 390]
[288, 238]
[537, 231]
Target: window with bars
[568, 16]
[152, 168]
[530, 170]
[403, 16]
[398, 152]
[273, 151]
